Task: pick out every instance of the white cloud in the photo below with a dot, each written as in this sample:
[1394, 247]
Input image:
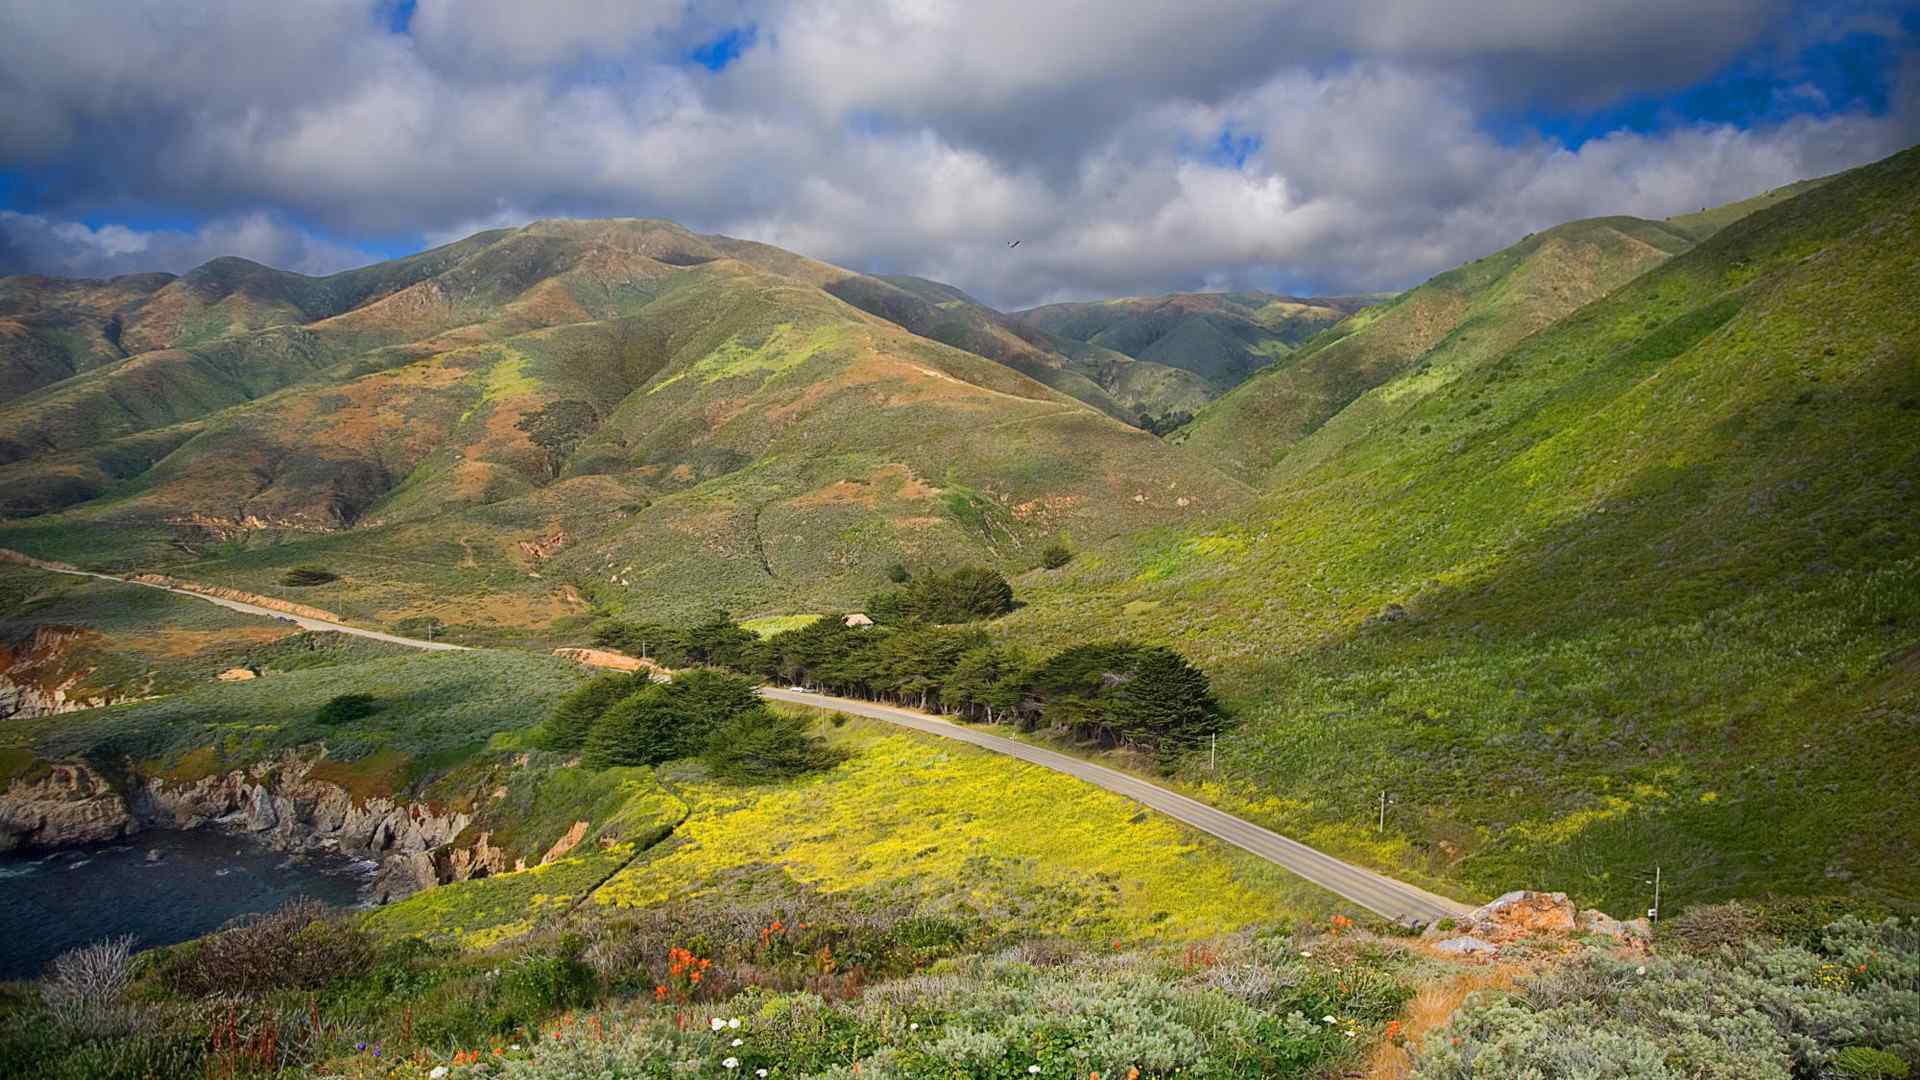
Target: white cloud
[40, 244]
[914, 136]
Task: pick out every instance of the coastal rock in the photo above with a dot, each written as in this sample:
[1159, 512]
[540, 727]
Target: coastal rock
[68, 805]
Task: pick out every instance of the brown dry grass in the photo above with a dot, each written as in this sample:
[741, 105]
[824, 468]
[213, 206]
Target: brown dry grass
[1429, 1009]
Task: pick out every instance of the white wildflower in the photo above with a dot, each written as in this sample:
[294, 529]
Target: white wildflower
[1034, 1069]
[1641, 970]
[913, 1027]
[438, 1072]
[1305, 954]
[1329, 1019]
[734, 1023]
[731, 1063]
[717, 1023]
[738, 1042]
[759, 1072]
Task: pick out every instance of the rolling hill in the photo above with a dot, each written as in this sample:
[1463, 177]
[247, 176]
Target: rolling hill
[1223, 338]
[686, 419]
[1637, 585]
[1474, 311]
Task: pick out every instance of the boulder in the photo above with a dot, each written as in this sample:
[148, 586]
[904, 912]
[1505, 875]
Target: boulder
[1516, 915]
[1466, 946]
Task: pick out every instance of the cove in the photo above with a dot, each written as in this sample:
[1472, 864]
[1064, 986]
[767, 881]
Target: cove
[52, 902]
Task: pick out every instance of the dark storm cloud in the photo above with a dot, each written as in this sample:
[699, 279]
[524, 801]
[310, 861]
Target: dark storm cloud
[911, 136]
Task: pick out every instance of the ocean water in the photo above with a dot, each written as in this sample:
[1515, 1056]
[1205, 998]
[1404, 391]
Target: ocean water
[50, 903]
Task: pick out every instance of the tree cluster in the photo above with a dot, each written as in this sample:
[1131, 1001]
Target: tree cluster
[1114, 694]
[627, 719]
[968, 594]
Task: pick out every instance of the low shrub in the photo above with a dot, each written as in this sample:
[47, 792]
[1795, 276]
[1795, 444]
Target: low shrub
[1759, 1009]
[301, 577]
[1055, 557]
[303, 945]
[346, 708]
[84, 988]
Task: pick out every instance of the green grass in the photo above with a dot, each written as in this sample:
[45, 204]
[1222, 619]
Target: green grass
[483, 912]
[1657, 574]
[432, 710]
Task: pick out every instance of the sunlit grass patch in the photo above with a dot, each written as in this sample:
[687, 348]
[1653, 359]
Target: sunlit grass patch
[485, 911]
[768, 625]
[943, 824]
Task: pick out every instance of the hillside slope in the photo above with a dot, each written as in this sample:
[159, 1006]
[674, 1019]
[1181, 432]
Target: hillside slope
[673, 427]
[1641, 587]
[1474, 311]
[1221, 337]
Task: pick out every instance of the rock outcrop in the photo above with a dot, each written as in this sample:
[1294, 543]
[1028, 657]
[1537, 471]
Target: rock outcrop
[285, 806]
[65, 806]
[45, 672]
[416, 845]
[1526, 914]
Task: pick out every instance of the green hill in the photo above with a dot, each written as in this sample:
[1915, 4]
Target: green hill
[621, 408]
[1222, 338]
[1474, 311]
[1637, 586]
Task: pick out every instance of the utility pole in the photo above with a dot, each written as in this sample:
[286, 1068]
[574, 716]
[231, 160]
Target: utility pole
[1383, 811]
[1213, 748]
[1653, 912]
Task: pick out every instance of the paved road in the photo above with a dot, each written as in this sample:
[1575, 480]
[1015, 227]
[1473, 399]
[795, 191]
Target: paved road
[255, 609]
[1379, 894]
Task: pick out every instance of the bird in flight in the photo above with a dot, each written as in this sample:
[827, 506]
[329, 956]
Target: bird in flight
[1011, 244]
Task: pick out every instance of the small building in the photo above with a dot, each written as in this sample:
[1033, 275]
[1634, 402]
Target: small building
[857, 619]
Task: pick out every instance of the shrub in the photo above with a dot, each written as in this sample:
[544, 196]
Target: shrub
[1867, 1063]
[303, 945]
[301, 577]
[899, 574]
[759, 746]
[574, 715]
[1764, 1010]
[1056, 557]
[346, 708]
[83, 987]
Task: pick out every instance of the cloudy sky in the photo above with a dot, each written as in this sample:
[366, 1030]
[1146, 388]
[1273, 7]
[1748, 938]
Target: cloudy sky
[1134, 147]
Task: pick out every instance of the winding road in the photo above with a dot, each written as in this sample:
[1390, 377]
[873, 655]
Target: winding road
[1379, 894]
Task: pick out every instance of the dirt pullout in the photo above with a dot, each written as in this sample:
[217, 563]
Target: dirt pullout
[304, 611]
[613, 661]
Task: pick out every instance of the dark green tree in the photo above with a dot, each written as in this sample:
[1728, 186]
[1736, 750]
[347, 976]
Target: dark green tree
[1163, 702]
[761, 745]
[574, 715]
[559, 427]
[644, 728]
[966, 594]
[985, 682]
[709, 697]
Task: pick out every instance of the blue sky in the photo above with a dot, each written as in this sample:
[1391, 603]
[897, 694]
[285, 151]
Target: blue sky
[1205, 144]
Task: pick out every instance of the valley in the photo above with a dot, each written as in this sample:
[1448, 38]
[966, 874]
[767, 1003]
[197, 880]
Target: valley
[1284, 630]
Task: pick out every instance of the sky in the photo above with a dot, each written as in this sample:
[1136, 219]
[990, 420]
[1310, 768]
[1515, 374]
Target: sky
[1134, 148]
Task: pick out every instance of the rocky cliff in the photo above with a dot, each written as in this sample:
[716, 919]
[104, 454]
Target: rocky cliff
[279, 802]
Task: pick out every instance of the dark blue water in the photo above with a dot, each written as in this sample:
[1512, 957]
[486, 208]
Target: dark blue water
[50, 903]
